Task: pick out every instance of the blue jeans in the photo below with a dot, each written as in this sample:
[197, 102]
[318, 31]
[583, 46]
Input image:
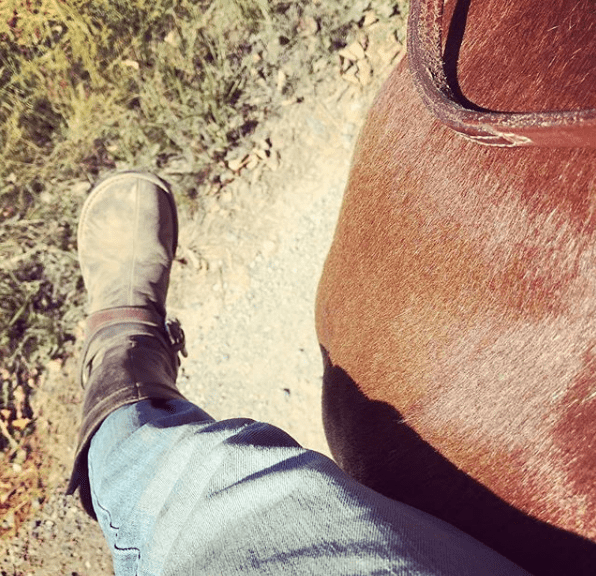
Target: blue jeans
[178, 493]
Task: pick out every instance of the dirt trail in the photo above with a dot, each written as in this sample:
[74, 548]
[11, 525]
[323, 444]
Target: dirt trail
[244, 287]
[249, 318]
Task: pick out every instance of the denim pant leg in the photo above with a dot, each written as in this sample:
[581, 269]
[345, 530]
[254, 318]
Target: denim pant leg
[178, 493]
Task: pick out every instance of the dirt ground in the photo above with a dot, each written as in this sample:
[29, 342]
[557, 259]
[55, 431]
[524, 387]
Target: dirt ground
[244, 286]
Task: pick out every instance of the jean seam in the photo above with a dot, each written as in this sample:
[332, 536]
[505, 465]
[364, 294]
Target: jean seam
[116, 529]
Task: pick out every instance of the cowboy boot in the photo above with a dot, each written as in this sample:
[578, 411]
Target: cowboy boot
[127, 237]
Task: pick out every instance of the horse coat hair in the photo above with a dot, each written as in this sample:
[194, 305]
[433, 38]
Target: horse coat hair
[457, 307]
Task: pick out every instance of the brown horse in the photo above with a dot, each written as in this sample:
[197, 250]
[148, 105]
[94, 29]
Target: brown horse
[457, 307]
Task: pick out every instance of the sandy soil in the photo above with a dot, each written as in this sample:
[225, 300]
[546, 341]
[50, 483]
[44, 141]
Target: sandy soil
[243, 286]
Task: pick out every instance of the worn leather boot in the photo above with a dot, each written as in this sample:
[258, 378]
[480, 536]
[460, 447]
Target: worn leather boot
[127, 237]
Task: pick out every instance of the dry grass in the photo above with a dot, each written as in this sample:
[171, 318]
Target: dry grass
[92, 85]
[22, 484]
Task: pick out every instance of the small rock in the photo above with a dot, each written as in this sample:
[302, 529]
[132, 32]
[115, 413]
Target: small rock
[365, 72]
[80, 188]
[130, 64]
[281, 80]
[173, 39]
[237, 163]
[353, 52]
[252, 162]
[350, 76]
[370, 17]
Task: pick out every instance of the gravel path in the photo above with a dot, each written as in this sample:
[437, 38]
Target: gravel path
[249, 319]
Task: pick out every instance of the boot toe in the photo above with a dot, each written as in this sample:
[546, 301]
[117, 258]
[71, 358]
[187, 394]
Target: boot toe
[127, 238]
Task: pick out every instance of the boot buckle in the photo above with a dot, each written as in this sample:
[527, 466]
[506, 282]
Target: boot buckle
[176, 335]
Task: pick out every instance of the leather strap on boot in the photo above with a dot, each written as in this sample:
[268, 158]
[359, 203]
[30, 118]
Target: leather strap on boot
[130, 354]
